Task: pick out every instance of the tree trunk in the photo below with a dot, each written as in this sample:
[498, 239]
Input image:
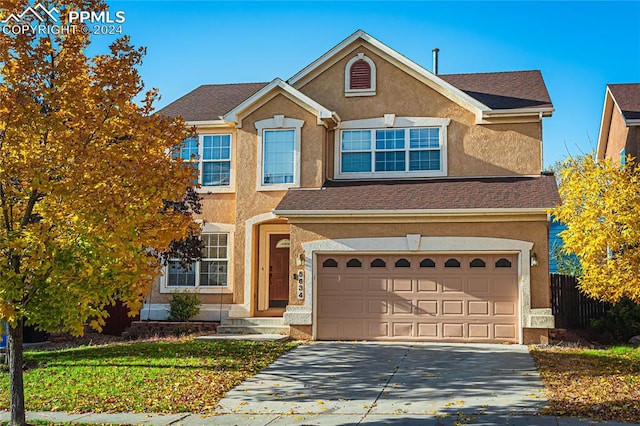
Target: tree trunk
[15, 372]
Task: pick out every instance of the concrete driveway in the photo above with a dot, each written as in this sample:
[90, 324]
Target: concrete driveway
[352, 383]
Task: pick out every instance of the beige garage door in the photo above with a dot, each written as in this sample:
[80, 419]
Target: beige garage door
[472, 298]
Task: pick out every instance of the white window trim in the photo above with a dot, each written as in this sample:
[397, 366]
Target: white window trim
[278, 122]
[215, 228]
[390, 121]
[347, 77]
[209, 189]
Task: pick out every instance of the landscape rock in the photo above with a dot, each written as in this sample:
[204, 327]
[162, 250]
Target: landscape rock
[635, 340]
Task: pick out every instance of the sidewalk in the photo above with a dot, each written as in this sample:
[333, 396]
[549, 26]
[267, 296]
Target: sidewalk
[321, 419]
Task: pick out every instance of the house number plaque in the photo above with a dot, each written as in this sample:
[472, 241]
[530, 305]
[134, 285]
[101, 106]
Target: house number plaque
[300, 284]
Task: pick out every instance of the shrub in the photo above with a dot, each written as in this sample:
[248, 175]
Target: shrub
[183, 306]
[619, 323]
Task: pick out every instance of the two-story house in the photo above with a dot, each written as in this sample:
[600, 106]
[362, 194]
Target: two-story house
[368, 198]
[620, 126]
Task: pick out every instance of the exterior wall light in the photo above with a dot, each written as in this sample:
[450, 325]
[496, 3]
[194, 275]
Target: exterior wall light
[534, 259]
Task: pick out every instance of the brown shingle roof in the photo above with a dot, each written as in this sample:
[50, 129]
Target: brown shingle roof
[437, 194]
[503, 90]
[627, 96]
[499, 90]
[210, 101]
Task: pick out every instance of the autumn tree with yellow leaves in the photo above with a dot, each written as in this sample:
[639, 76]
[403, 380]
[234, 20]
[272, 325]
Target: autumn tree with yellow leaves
[91, 196]
[601, 208]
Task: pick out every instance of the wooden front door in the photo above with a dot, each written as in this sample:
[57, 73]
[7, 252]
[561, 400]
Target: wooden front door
[278, 270]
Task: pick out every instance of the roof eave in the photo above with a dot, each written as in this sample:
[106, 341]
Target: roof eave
[410, 212]
[605, 124]
[323, 114]
[208, 123]
[514, 115]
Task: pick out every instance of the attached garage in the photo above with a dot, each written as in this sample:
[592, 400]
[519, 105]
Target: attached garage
[420, 297]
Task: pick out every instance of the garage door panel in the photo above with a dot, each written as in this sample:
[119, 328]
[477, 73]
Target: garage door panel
[377, 284]
[401, 285]
[503, 286]
[427, 285]
[402, 329]
[378, 307]
[479, 331]
[505, 331]
[428, 300]
[504, 308]
[452, 307]
[377, 329]
[328, 330]
[402, 307]
[329, 282]
[353, 328]
[450, 285]
[479, 287]
[428, 330]
[427, 307]
[455, 331]
[354, 284]
[478, 307]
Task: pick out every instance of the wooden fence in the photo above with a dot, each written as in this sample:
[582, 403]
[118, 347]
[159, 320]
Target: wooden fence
[572, 309]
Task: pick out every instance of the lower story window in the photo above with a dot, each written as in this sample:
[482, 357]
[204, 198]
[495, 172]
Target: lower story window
[211, 271]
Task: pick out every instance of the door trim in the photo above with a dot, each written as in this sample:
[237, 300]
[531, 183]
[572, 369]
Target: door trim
[262, 288]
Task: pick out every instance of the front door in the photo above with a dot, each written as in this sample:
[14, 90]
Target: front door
[278, 270]
[272, 294]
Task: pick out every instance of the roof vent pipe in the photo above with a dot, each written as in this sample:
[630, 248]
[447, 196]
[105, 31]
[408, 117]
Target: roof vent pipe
[435, 60]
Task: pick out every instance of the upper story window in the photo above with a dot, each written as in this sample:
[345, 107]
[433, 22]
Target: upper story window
[360, 76]
[394, 152]
[278, 153]
[211, 156]
[278, 150]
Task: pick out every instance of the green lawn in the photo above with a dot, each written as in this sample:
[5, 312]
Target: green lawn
[162, 377]
[599, 384]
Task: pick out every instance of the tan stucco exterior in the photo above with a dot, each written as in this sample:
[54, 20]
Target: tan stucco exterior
[534, 230]
[621, 137]
[473, 150]
[616, 133]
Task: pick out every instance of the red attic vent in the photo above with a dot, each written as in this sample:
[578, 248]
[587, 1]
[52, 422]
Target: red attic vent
[360, 75]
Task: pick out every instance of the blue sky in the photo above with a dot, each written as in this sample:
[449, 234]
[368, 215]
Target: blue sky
[579, 46]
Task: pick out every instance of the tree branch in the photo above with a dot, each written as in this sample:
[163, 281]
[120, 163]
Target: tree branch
[5, 212]
[30, 205]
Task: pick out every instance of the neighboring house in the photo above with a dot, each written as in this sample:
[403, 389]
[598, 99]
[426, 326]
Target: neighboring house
[555, 243]
[367, 198]
[620, 126]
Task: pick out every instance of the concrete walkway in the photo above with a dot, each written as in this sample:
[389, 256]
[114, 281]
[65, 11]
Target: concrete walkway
[375, 383]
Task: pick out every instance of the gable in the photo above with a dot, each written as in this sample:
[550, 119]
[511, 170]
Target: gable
[360, 39]
[484, 95]
[620, 119]
[268, 92]
[395, 92]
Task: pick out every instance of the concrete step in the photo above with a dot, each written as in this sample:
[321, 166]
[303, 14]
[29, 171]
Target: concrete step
[255, 321]
[252, 329]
